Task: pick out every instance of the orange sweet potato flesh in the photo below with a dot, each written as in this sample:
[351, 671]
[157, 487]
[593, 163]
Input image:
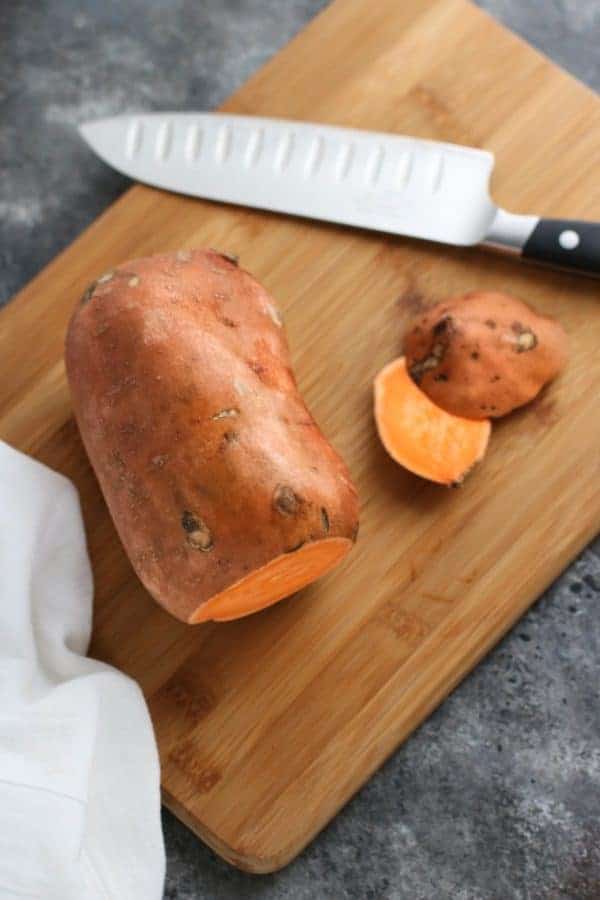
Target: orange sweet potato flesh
[225, 494]
[421, 436]
[484, 353]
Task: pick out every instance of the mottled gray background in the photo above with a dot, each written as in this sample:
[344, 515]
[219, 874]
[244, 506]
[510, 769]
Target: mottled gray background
[497, 796]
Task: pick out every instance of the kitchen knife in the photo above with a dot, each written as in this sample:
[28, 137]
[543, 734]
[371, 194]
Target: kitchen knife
[386, 182]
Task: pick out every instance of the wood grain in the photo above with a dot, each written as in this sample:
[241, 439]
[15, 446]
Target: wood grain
[266, 726]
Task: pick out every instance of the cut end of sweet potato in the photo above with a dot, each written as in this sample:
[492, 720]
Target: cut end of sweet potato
[482, 354]
[279, 578]
[421, 436]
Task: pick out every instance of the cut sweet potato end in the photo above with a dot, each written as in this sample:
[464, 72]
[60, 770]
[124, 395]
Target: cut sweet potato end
[279, 578]
[421, 436]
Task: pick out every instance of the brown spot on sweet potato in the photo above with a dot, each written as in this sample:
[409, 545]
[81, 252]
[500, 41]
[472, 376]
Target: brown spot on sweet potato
[118, 460]
[89, 292]
[137, 494]
[526, 340]
[258, 368]
[418, 369]
[474, 354]
[189, 522]
[444, 326]
[229, 413]
[490, 323]
[296, 546]
[285, 500]
[354, 534]
[325, 520]
[526, 337]
[441, 376]
[442, 332]
[230, 437]
[198, 534]
[225, 320]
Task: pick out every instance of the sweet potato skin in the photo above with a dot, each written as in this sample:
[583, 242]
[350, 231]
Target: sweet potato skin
[483, 354]
[209, 461]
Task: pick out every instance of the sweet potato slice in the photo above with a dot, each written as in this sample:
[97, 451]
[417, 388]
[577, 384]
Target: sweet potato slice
[277, 579]
[419, 435]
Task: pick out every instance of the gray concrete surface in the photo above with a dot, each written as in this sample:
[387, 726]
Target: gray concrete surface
[497, 796]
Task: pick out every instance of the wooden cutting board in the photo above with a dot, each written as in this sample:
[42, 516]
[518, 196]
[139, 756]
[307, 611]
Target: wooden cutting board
[268, 725]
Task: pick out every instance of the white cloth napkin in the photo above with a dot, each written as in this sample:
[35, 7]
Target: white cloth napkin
[79, 772]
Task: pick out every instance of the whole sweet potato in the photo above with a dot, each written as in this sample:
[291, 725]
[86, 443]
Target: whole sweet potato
[483, 354]
[224, 492]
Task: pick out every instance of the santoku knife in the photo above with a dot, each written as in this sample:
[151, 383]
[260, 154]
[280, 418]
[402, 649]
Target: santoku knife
[387, 182]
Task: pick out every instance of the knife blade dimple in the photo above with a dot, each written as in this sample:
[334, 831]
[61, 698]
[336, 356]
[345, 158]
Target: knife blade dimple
[164, 140]
[254, 147]
[344, 161]
[223, 144]
[133, 139]
[374, 164]
[193, 142]
[403, 170]
[437, 173]
[315, 156]
[284, 150]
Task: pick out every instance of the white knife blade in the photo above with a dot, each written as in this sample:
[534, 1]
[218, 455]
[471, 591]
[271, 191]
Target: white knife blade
[386, 182]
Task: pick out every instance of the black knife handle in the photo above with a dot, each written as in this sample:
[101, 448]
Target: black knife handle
[567, 243]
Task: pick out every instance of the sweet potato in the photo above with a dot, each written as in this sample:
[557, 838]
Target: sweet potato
[419, 435]
[224, 492]
[484, 354]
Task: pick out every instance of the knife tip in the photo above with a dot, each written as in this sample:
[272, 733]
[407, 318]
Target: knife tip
[84, 129]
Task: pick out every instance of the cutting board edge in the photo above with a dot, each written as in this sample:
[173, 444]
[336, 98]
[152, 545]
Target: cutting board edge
[532, 48]
[245, 863]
